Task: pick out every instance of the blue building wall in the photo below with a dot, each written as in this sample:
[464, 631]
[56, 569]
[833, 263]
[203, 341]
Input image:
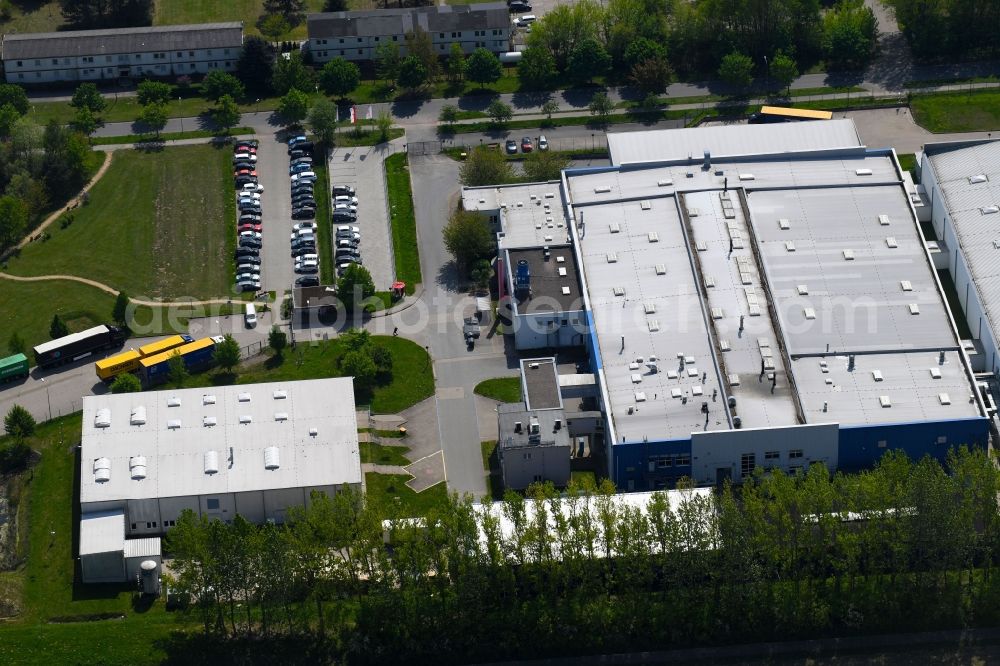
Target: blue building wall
[862, 446]
[632, 469]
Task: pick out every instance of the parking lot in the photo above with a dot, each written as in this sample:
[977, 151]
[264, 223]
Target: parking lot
[362, 169]
[272, 170]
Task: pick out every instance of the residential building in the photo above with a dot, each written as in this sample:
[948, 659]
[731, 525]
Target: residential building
[255, 450]
[100, 55]
[356, 35]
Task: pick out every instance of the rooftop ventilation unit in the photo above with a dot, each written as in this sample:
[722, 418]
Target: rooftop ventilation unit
[313, 432]
[944, 398]
[209, 421]
[602, 189]
[138, 416]
[281, 416]
[883, 220]
[977, 179]
[243, 397]
[618, 291]
[803, 289]
[747, 176]
[246, 418]
[877, 375]
[208, 399]
[989, 210]
[884, 401]
[173, 424]
[653, 237]
[271, 458]
[173, 401]
[280, 394]
[102, 470]
[102, 419]
[707, 164]
[660, 269]
[784, 224]
[863, 172]
[914, 309]
[935, 373]
[890, 242]
[211, 462]
[906, 285]
[612, 257]
[137, 467]
[666, 182]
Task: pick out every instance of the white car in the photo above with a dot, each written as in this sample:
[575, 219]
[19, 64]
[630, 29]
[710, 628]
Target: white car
[345, 199]
[250, 234]
[252, 187]
[543, 143]
[306, 258]
[249, 196]
[248, 268]
[299, 227]
[347, 227]
[238, 157]
[304, 177]
[345, 207]
[303, 233]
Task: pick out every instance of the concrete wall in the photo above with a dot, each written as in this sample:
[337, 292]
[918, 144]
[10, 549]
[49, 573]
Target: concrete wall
[102, 66]
[103, 567]
[714, 452]
[325, 49]
[643, 465]
[536, 331]
[524, 466]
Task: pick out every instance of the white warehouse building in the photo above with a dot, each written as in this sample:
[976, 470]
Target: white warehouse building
[99, 55]
[254, 450]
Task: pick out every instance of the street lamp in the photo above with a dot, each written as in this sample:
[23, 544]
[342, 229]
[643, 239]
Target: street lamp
[181, 114]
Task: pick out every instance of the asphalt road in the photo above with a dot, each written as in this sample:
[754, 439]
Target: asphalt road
[277, 271]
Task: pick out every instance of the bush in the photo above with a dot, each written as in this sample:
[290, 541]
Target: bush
[14, 456]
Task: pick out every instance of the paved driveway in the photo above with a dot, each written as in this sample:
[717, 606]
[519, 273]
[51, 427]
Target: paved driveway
[363, 168]
[272, 170]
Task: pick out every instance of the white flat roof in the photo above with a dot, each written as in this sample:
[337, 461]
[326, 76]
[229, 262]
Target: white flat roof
[311, 425]
[102, 532]
[958, 170]
[831, 247]
[731, 140]
[531, 215]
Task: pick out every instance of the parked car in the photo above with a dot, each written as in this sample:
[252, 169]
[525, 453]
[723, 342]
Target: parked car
[526, 145]
[304, 177]
[249, 285]
[348, 235]
[253, 269]
[517, 7]
[307, 281]
[244, 195]
[298, 168]
[304, 197]
[300, 138]
[543, 143]
[253, 187]
[248, 260]
[238, 157]
[346, 199]
[347, 243]
[348, 256]
[511, 146]
[247, 142]
[303, 188]
[239, 166]
[304, 159]
[341, 190]
[240, 181]
[302, 232]
[344, 265]
[306, 257]
[292, 154]
[243, 252]
[304, 226]
[245, 172]
[251, 208]
[251, 218]
[304, 146]
[246, 226]
[345, 217]
[345, 206]
[347, 227]
[300, 252]
[304, 214]
[307, 268]
[254, 243]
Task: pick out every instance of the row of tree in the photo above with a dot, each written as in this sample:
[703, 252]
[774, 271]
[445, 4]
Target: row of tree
[905, 546]
[940, 29]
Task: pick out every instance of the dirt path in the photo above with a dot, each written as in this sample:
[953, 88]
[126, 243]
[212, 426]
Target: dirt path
[113, 292]
[70, 205]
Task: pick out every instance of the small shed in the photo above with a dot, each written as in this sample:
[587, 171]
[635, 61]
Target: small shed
[102, 546]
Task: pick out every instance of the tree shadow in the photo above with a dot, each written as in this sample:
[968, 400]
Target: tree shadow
[450, 277]
[477, 102]
[530, 99]
[183, 648]
[580, 96]
[407, 107]
[223, 378]
[275, 361]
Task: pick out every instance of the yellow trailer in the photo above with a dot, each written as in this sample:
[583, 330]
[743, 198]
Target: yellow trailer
[109, 368]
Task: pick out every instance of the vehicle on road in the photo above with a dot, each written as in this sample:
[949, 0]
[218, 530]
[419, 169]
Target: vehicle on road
[526, 145]
[250, 315]
[13, 367]
[78, 345]
[511, 146]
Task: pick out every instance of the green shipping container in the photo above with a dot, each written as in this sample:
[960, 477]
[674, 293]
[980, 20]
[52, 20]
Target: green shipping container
[13, 367]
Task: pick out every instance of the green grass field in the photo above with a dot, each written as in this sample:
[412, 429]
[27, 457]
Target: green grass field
[412, 380]
[382, 454]
[400, 500]
[176, 12]
[27, 309]
[155, 226]
[326, 273]
[504, 389]
[957, 112]
[404, 224]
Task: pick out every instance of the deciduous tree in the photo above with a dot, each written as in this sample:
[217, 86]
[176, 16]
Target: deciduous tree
[226, 112]
[499, 112]
[736, 69]
[293, 107]
[483, 67]
[13, 220]
[354, 286]
[86, 94]
[126, 383]
[651, 76]
[468, 238]
[154, 92]
[291, 73]
[154, 117]
[217, 84]
[485, 166]
[783, 70]
[537, 68]
[177, 372]
[587, 60]
[227, 353]
[420, 45]
[339, 77]
[412, 73]
[387, 61]
[277, 340]
[601, 106]
[14, 95]
[542, 165]
[323, 121]
[273, 26]
[456, 63]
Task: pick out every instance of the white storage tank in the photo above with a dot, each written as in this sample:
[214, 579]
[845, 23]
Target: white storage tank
[150, 575]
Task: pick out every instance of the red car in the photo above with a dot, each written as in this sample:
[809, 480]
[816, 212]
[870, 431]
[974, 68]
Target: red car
[244, 148]
[245, 172]
[246, 226]
[526, 145]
